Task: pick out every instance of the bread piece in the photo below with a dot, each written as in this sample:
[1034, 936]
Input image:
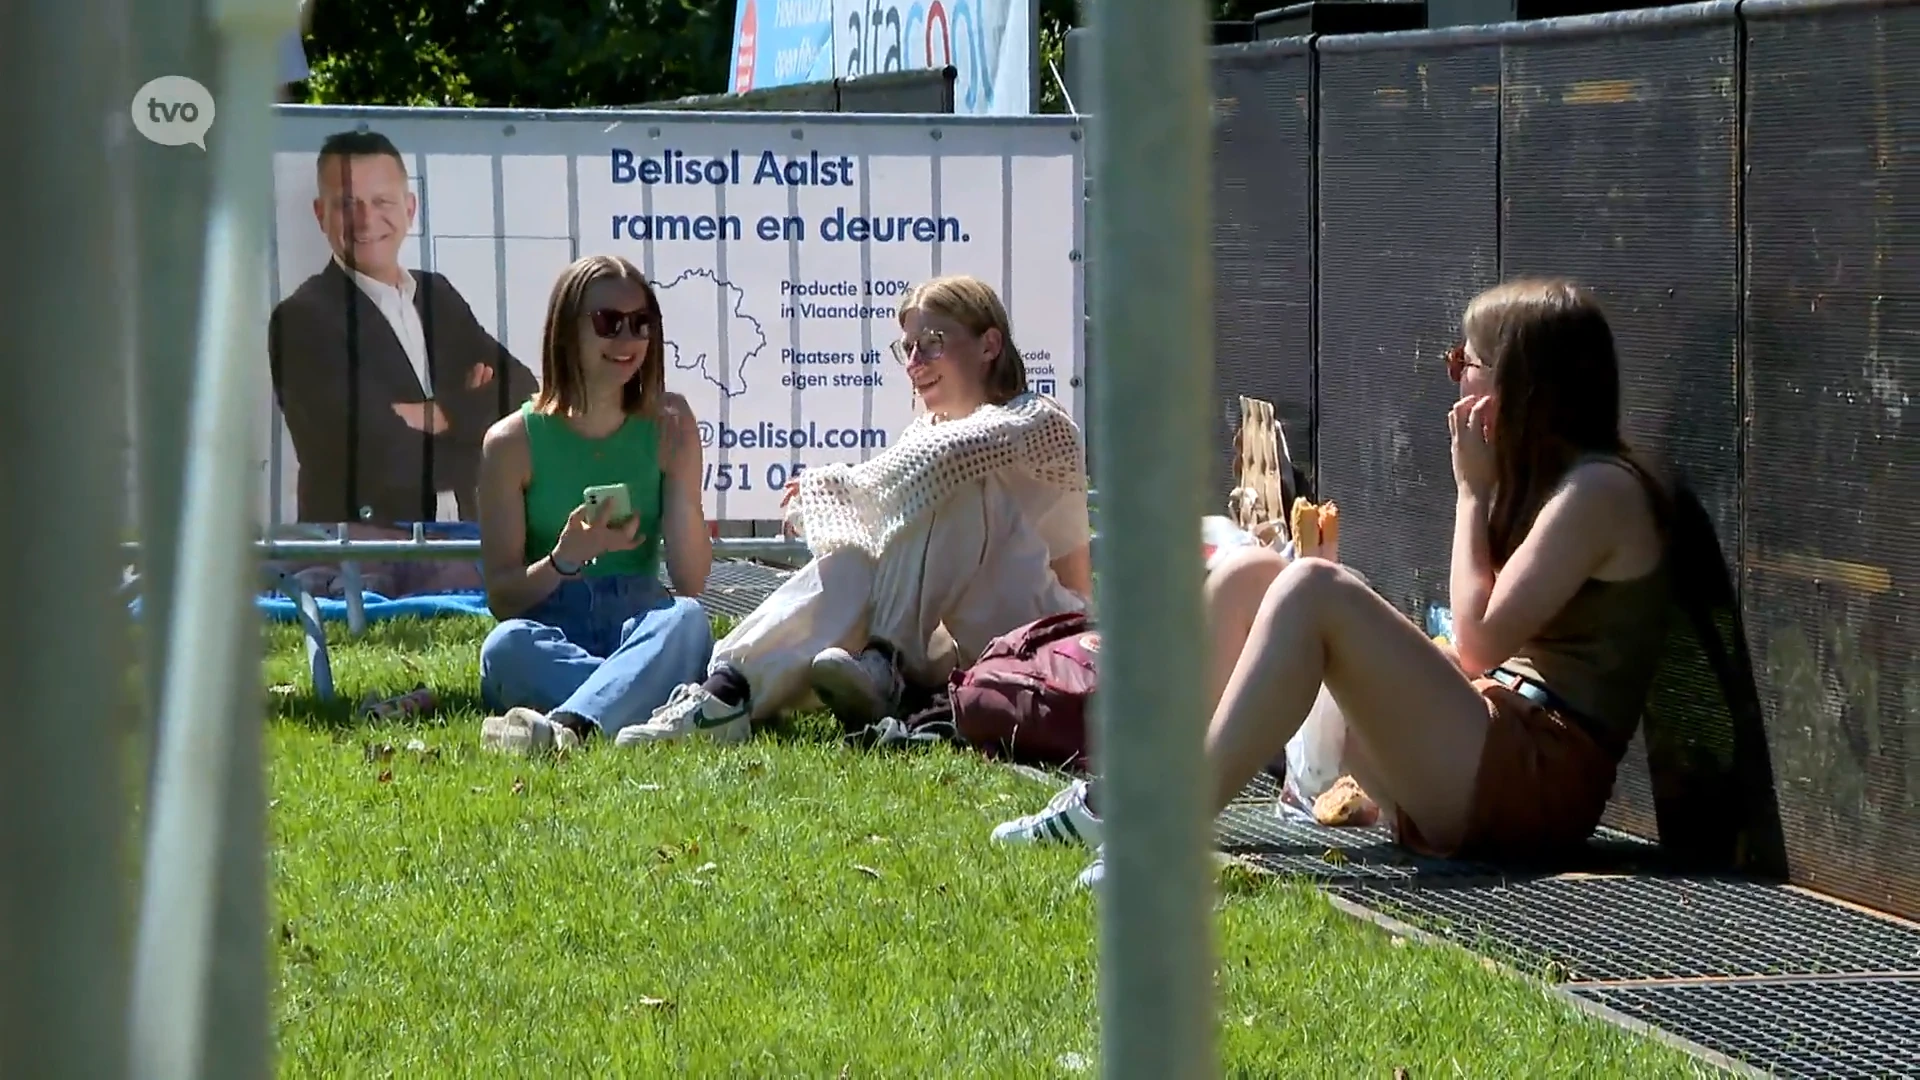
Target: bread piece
[1344, 804]
[1330, 526]
[1306, 529]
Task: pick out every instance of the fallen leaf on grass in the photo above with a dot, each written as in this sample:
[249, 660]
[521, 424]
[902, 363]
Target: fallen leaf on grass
[379, 752]
[876, 838]
[519, 786]
[386, 776]
[1402, 1074]
[868, 870]
[419, 749]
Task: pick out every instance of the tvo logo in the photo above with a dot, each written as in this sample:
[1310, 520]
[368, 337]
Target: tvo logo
[173, 110]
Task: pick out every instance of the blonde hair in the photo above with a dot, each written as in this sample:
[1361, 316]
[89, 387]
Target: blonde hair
[562, 377]
[973, 304]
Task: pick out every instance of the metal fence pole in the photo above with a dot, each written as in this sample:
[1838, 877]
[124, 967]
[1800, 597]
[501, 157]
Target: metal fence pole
[170, 191]
[1152, 310]
[203, 910]
[170, 194]
[63, 843]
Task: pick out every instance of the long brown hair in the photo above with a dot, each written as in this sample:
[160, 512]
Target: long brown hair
[973, 304]
[562, 377]
[1556, 380]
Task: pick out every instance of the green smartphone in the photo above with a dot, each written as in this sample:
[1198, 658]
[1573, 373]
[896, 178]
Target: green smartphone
[615, 497]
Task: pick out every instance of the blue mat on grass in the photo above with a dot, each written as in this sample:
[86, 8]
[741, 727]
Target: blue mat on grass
[278, 608]
[429, 606]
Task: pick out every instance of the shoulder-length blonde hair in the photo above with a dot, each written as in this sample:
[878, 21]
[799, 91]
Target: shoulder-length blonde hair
[973, 304]
[1556, 379]
[562, 376]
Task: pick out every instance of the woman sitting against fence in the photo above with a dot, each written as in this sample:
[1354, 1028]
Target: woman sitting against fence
[589, 641]
[974, 523]
[1506, 746]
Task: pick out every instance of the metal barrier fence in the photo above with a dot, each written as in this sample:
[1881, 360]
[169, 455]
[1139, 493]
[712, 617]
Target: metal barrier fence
[926, 91]
[1728, 177]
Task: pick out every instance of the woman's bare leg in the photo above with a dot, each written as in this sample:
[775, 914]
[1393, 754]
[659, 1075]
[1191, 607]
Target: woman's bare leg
[1422, 721]
[1233, 593]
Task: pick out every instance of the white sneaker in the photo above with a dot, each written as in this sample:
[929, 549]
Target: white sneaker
[1093, 874]
[860, 689]
[690, 711]
[525, 731]
[1066, 820]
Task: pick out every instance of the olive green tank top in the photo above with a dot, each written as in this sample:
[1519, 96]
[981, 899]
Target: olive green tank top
[1601, 651]
[566, 463]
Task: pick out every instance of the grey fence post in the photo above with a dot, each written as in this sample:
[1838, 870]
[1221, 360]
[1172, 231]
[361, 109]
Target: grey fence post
[1151, 319]
[199, 957]
[63, 839]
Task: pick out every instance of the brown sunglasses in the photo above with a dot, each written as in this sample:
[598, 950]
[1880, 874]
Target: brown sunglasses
[607, 322]
[1457, 362]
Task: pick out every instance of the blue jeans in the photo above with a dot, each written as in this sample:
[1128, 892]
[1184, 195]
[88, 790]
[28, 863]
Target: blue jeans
[606, 649]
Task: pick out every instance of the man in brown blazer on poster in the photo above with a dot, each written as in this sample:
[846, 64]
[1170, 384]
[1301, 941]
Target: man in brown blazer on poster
[387, 380]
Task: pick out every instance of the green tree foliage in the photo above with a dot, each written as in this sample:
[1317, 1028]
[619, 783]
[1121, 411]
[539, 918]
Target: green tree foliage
[516, 53]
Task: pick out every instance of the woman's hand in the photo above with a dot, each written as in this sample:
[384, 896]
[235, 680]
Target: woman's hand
[679, 443]
[1471, 422]
[588, 536]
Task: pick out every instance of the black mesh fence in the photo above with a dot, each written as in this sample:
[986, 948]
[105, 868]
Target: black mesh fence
[1263, 240]
[1409, 220]
[1832, 585]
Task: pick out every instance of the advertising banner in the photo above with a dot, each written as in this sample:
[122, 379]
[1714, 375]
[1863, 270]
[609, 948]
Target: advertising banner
[780, 251]
[988, 42]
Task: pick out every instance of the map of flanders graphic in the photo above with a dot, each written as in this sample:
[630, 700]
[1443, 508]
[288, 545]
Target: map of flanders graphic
[746, 338]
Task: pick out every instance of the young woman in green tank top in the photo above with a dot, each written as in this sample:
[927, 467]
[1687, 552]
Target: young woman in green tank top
[1505, 744]
[589, 640]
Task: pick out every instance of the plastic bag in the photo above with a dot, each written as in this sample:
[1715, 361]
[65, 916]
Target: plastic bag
[1219, 536]
[1316, 753]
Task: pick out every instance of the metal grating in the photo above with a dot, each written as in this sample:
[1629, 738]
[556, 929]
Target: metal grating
[1832, 575]
[736, 587]
[1408, 234]
[1297, 848]
[1853, 1029]
[1634, 135]
[1263, 241]
[1594, 929]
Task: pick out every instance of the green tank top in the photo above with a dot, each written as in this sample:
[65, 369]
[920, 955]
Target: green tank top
[566, 463]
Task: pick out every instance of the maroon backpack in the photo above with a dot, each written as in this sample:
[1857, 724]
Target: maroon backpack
[1028, 697]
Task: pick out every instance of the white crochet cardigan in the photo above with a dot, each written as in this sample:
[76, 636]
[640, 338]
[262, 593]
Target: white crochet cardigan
[866, 505]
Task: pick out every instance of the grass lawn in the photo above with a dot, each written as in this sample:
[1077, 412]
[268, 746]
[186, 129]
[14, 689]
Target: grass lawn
[782, 908]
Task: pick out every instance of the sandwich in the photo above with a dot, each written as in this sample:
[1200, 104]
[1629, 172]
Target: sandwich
[1315, 528]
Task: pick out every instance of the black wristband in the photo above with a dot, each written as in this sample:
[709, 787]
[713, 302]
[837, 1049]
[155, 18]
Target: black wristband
[562, 567]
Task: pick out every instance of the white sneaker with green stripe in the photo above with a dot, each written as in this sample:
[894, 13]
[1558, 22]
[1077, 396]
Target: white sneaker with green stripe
[1066, 820]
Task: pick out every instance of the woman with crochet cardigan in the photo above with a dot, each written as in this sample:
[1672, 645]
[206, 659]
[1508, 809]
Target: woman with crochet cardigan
[970, 525]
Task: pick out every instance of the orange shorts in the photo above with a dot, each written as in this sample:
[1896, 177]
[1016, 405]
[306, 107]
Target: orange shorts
[1542, 786]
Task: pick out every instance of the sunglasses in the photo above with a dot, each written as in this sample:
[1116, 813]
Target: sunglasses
[930, 346]
[607, 322]
[1458, 363]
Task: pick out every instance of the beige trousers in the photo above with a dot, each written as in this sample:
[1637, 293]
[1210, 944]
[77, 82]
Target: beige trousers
[969, 572]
